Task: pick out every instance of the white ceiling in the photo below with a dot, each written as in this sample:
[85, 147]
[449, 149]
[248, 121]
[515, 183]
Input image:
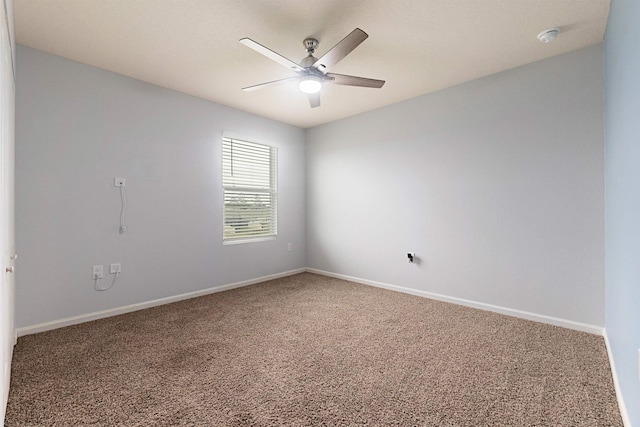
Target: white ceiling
[417, 46]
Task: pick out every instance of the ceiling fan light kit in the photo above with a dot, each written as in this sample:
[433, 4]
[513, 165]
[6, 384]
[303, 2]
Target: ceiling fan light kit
[310, 84]
[547, 36]
[312, 72]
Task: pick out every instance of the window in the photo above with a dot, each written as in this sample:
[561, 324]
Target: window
[249, 173]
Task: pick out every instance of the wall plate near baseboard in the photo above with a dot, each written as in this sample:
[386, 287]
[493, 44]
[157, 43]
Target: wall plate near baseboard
[569, 324]
[55, 324]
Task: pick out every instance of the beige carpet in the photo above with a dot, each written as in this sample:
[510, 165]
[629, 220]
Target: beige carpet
[306, 351]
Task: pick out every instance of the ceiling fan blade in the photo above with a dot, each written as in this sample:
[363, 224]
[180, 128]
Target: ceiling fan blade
[273, 83]
[314, 99]
[342, 79]
[340, 50]
[271, 55]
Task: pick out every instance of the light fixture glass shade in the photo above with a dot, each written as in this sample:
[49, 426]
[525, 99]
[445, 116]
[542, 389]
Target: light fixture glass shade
[547, 36]
[310, 84]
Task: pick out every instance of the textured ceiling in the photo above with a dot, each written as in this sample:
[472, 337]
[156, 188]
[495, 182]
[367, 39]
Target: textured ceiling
[417, 46]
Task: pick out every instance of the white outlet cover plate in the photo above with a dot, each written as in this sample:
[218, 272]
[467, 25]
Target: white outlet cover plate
[97, 272]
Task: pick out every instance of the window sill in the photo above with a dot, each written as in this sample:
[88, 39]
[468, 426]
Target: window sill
[248, 240]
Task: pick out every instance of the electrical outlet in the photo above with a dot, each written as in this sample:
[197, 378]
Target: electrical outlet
[119, 182]
[115, 268]
[288, 247]
[97, 272]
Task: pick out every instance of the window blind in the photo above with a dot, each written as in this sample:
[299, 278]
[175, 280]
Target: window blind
[249, 172]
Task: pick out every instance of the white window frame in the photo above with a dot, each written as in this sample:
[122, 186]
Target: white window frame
[249, 172]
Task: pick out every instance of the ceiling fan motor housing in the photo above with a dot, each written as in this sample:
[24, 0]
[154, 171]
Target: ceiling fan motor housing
[307, 63]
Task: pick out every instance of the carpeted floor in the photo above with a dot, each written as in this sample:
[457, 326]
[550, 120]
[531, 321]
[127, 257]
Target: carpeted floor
[307, 350]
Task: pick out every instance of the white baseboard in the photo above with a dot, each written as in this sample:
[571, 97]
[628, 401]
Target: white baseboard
[616, 384]
[47, 326]
[584, 327]
[41, 327]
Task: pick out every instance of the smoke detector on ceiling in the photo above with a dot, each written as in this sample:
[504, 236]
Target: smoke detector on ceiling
[547, 36]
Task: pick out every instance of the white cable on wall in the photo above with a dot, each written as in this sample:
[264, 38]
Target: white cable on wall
[123, 199]
[97, 287]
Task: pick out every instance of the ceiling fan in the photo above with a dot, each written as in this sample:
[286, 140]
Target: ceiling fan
[313, 72]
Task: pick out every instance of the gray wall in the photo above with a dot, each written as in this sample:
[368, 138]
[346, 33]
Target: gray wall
[622, 195]
[496, 184]
[78, 127]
